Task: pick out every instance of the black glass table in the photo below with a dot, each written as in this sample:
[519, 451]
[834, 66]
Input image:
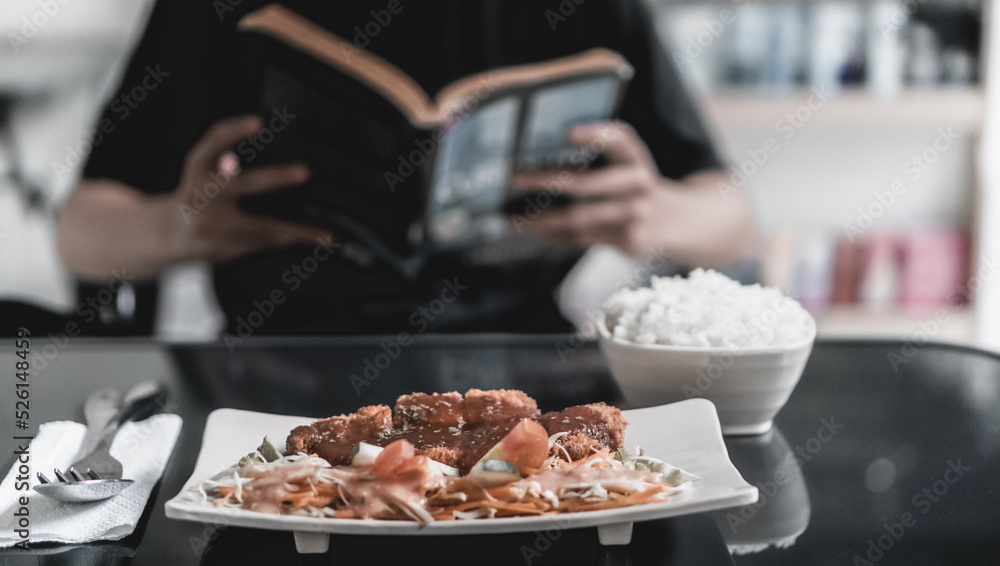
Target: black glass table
[887, 452]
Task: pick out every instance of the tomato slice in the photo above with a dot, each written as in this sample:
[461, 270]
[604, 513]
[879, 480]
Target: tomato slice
[392, 457]
[526, 445]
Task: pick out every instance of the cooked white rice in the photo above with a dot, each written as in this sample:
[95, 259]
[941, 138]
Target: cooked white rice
[706, 309]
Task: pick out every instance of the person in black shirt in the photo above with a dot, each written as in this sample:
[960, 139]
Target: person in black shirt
[172, 129]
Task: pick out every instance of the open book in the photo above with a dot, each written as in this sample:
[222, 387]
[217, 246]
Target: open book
[394, 170]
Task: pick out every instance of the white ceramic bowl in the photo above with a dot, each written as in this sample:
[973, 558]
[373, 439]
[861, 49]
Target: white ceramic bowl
[747, 385]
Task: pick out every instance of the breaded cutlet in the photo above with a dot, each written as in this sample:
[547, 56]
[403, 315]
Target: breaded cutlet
[498, 405]
[458, 430]
[589, 428]
[439, 409]
[334, 438]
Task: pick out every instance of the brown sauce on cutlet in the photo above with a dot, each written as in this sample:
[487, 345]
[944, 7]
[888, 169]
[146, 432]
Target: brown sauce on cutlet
[470, 442]
[332, 450]
[578, 419]
[335, 440]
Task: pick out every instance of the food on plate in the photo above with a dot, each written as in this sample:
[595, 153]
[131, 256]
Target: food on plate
[441, 457]
[706, 309]
[459, 430]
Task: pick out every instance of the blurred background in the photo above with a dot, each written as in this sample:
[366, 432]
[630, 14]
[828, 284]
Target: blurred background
[864, 131]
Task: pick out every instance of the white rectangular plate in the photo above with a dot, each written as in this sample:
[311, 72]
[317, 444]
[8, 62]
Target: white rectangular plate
[685, 434]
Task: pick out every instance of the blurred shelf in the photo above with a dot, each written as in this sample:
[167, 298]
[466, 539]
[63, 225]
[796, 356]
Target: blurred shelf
[756, 110]
[856, 321]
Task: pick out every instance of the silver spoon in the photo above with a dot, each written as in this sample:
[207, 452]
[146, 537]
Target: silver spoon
[140, 402]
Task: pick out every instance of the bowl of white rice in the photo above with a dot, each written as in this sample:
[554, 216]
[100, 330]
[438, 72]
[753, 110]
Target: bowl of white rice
[743, 347]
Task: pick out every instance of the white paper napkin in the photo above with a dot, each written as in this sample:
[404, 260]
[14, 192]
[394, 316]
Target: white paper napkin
[142, 448]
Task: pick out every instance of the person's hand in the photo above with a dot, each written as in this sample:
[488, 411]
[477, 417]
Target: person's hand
[623, 204]
[628, 204]
[210, 225]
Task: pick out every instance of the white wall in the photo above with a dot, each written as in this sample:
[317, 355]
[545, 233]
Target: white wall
[834, 164]
[58, 61]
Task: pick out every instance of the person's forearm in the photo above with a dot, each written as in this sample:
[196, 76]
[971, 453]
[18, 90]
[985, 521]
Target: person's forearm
[718, 226]
[106, 226]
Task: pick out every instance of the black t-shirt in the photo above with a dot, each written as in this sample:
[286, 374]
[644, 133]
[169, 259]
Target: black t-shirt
[176, 87]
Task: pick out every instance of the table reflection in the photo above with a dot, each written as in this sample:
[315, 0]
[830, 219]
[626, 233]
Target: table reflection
[782, 512]
[343, 376]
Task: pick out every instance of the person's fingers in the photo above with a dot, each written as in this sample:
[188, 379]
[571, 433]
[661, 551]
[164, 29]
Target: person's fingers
[620, 181]
[222, 136]
[616, 140]
[248, 233]
[587, 220]
[268, 177]
[283, 233]
[536, 180]
[609, 236]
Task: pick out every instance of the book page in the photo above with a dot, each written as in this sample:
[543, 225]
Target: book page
[555, 110]
[472, 173]
[590, 62]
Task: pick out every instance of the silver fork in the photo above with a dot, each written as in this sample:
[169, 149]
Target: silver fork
[80, 489]
[104, 472]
